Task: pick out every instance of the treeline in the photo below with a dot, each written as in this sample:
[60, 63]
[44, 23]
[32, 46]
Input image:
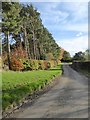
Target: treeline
[82, 56]
[78, 57]
[24, 37]
[66, 57]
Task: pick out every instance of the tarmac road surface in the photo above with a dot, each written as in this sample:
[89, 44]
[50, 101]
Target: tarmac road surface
[67, 99]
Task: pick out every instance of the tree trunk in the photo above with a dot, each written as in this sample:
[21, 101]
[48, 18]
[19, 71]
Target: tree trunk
[28, 49]
[8, 51]
[34, 46]
[25, 39]
[26, 43]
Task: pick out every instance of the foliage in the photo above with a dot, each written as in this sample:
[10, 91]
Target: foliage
[87, 55]
[50, 56]
[4, 59]
[61, 52]
[16, 85]
[36, 65]
[79, 56]
[22, 23]
[52, 63]
[10, 23]
[16, 64]
[40, 65]
[17, 57]
[26, 65]
[47, 65]
[66, 56]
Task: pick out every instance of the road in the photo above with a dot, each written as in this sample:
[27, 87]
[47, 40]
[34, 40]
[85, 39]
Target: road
[67, 99]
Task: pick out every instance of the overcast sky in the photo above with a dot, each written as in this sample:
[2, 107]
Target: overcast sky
[68, 23]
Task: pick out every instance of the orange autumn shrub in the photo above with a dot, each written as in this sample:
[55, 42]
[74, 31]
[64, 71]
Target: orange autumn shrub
[16, 65]
[17, 57]
[47, 64]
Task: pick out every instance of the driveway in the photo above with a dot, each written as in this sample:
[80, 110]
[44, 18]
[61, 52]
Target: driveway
[67, 99]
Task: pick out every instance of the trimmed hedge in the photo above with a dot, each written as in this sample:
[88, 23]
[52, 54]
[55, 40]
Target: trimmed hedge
[81, 65]
[36, 65]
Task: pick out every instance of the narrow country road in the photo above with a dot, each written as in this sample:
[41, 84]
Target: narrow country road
[67, 99]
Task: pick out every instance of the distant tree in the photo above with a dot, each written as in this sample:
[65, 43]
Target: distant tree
[50, 56]
[87, 55]
[66, 56]
[79, 56]
[61, 54]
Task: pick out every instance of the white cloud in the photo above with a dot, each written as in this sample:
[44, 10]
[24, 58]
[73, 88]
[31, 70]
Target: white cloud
[83, 27]
[74, 45]
[79, 11]
[79, 34]
[57, 16]
[73, 17]
[70, 27]
[51, 14]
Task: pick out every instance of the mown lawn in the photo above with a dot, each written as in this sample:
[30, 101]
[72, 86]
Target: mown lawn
[16, 85]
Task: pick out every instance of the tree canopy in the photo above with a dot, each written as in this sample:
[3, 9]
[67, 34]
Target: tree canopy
[22, 28]
[66, 56]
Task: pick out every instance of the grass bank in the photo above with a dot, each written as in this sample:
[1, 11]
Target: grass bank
[16, 85]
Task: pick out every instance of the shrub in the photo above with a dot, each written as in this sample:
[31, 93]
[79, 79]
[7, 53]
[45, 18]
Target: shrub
[16, 64]
[59, 62]
[41, 65]
[34, 64]
[17, 57]
[49, 65]
[46, 65]
[27, 65]
[30, 64]
[52, 63]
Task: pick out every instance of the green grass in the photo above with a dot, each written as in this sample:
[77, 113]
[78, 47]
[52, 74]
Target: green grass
[16, 85]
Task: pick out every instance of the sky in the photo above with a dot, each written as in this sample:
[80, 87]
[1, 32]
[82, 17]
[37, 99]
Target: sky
[68, 23]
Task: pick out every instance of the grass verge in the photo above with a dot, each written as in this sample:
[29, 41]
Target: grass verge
[16, 85]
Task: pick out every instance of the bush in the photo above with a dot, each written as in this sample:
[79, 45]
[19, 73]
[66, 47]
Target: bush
[16, 59]
[30, 65]
[16, 64]
[52, 63]
[34, 64]
[41, 65]
[47, 65]
[27, 65]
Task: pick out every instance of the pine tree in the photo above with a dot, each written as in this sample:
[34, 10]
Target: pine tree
[10, 23]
